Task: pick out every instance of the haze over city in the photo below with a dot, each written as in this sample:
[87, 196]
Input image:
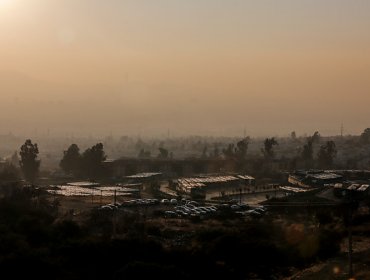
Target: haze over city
[184, 139]
[189, 67]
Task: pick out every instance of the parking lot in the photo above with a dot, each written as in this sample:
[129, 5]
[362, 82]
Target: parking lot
[173, 208]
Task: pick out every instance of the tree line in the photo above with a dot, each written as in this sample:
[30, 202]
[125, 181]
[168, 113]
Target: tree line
[88, 164]
[312, 153]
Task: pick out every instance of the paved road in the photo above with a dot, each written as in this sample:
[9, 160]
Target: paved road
[255, 198]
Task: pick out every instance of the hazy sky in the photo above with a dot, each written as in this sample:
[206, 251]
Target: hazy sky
[190, 66]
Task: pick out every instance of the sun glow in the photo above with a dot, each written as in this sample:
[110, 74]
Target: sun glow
[5, 2]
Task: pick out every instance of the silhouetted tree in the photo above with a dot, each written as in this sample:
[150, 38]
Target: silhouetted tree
[327, 154]
[144, 154]
[163, 153]
[92, 161]
[242, 148]
[229, 152]
[71, 161]
[293, 135]
[316, 137]
[268, 150]
[28, 162]
[365, 136]
[307, 153]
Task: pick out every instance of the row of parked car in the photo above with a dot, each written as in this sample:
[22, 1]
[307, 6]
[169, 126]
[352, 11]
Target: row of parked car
[129, 203]
[143, 202]
[191, 209]
[255, 212]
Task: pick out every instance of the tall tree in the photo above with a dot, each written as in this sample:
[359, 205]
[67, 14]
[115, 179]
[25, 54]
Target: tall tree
[327, 154]
[71, 161]
[29, 163]
[242, 148]
[229, 152]
[293, 135]
[268, 150]
[92, 161]
[163, 153]
[316, 137]
[307, 153]
[365, 136]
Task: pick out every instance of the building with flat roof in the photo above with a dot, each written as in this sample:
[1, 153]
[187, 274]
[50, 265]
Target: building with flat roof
[84, 184]
[198, 185]
[174, 168]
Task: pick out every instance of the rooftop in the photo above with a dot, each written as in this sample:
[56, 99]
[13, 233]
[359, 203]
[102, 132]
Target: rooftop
[144, 175]
[83, 184]
[325, 176]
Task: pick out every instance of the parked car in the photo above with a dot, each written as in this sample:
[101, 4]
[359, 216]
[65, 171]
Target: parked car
[194, 203]
[106, 207]
[165, 201]
[170, 214]
[260, 210]
[235, 207]
[253, 213]
[182, 213]
[243, 206]
[213, 208]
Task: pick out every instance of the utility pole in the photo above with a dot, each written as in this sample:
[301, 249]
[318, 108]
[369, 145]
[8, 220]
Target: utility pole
[350, 259]
[114, 225]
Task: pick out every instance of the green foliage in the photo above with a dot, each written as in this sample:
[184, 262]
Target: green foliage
[29, 163]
